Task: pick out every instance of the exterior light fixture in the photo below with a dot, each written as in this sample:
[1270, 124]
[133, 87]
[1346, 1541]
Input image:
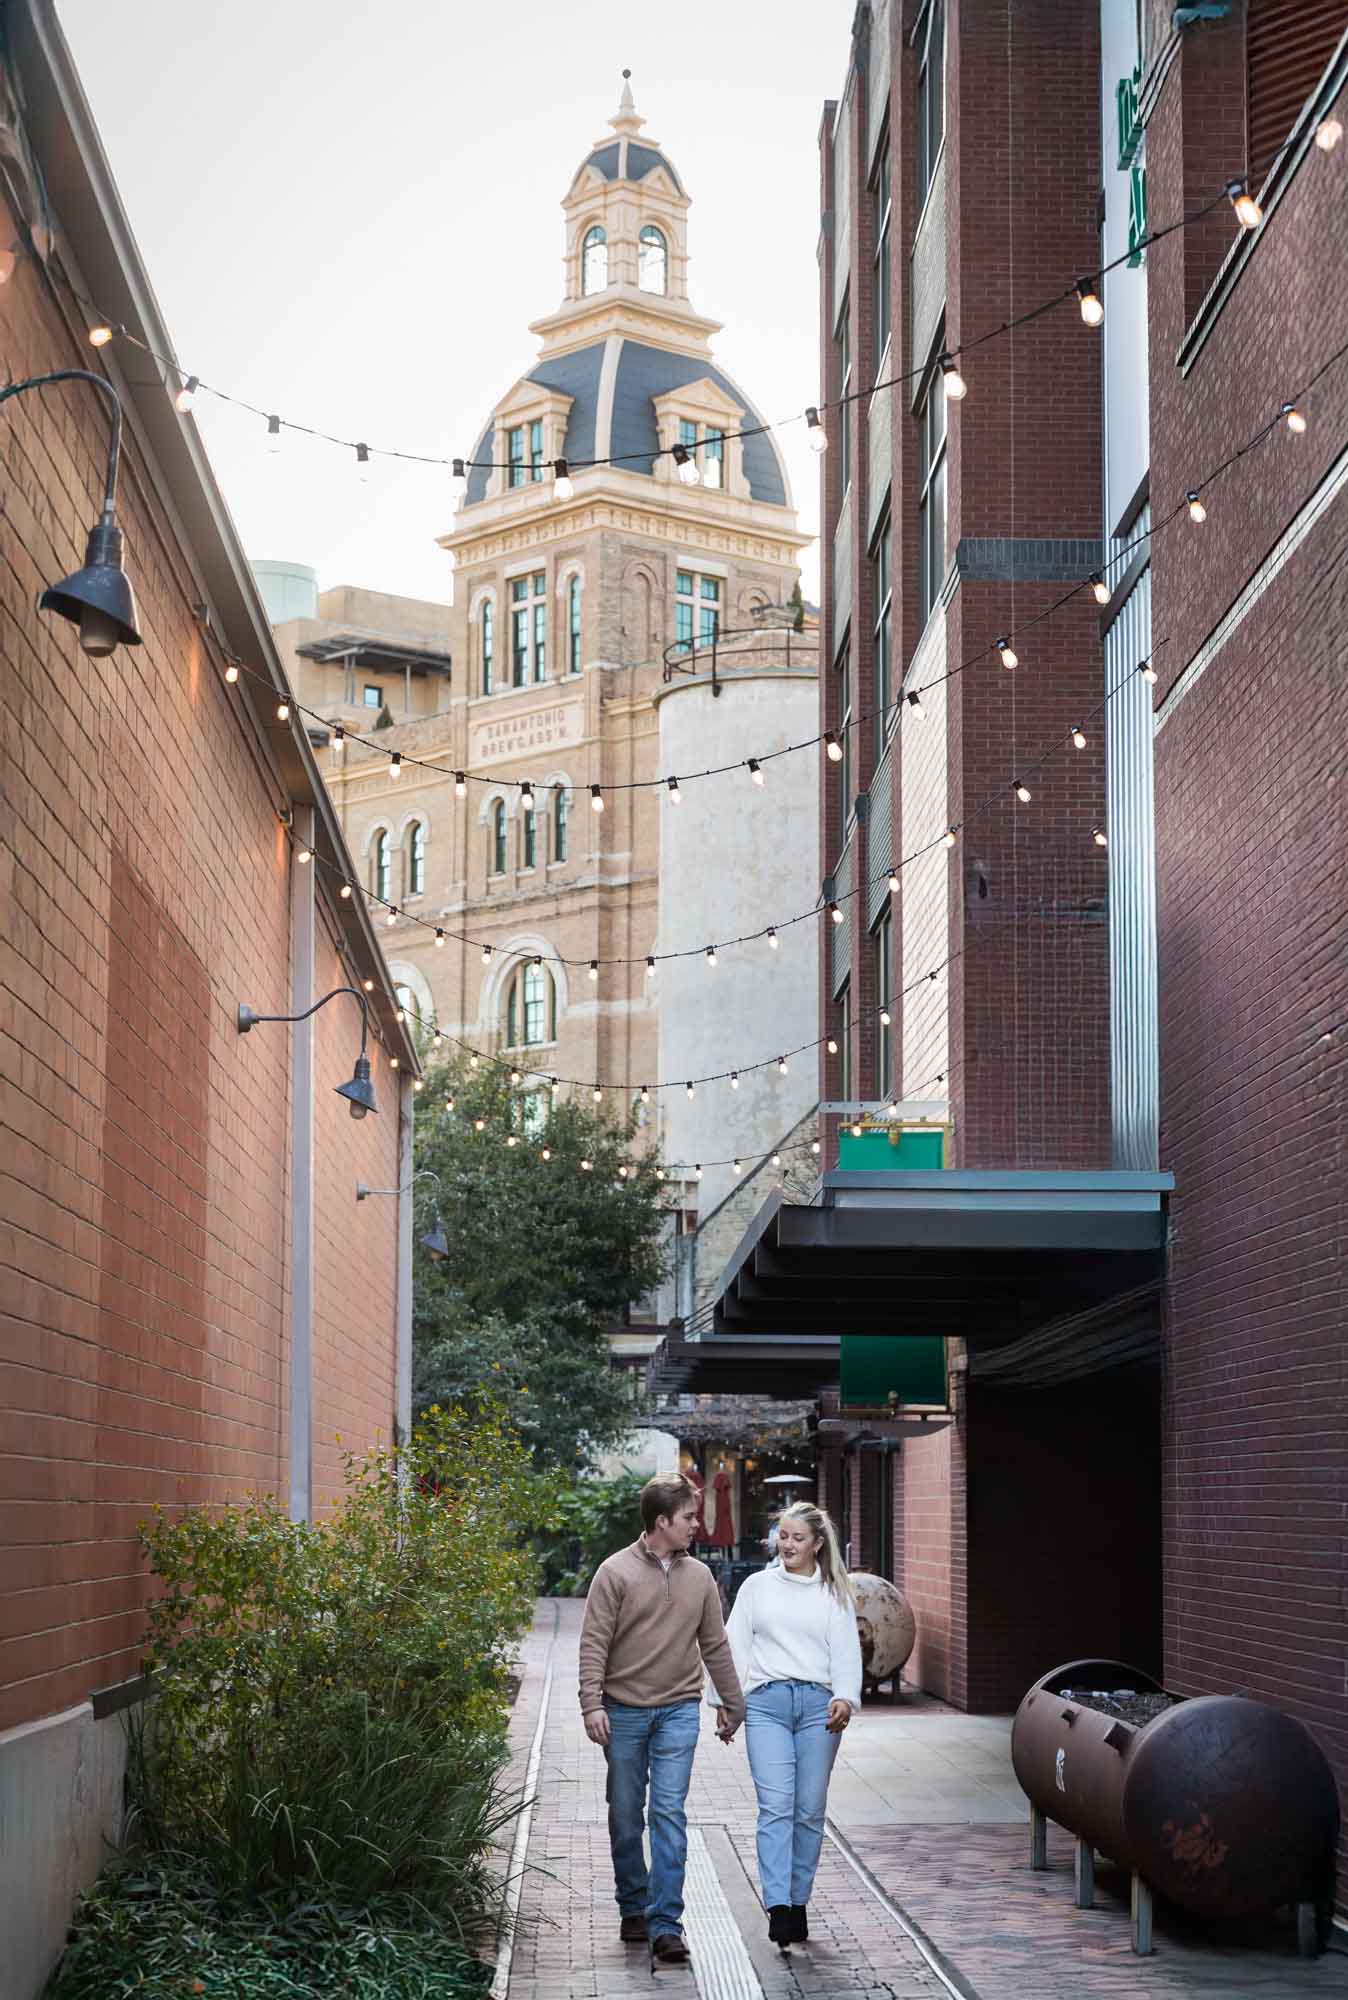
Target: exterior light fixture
[1099, 589]
[835, 911]
[833, 749]
[458, 479]
[675, 795]
[914, 700]
[755, 770]
[734, 1079]
[1078, 736]
[1022, 791]
[1148, 672]
[395, 765]
[815, 434]
[187, 395]
[1296, 423]
[737, 1166]
[526, 795]
[685, 466]
[781, 1065]
[283, 711]
[363, 463]
[1010, 657]
[1197, 511]
[949, 837]
[338, 739]
[956, 387]
[689, 1092]
[1092, 310]
[596, 798]
[359, 1092]
[1248, 212]
[460, 784]
[594, 968]
[650, 967]
[345, 892]
[561, 484]
[273, 434]
[1328, 134]
[832, 1047]
[1100, 837]
[435, 1242]
[774, 942]
[98, 598]
[101, 334]
[486, 954]
[710, 954]
[231, 673]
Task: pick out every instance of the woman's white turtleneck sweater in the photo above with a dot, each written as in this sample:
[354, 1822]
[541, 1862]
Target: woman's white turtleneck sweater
[792, 1628]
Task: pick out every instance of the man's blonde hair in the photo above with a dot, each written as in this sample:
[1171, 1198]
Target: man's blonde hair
[664, 1495]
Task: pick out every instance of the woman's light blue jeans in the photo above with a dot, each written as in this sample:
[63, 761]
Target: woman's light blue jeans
[650, 1746]
[791, 1756]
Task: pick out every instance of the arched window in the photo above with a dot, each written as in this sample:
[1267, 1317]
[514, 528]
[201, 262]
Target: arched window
[531, 1007]
[561, 814]
[594, 261]
[416, 857]
[652, 260]
[573, 626]
[488, 644]
[529, 840]
[498, 838]
[407, 1000]
[380, 865]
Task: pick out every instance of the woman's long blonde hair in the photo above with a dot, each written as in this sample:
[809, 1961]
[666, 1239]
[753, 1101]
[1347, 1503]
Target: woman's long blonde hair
[829, 1554]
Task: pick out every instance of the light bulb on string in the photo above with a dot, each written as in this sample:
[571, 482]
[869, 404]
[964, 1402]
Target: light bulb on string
[675, 795]
[231, 673]
[304, 855]
[395, 765]
[650, 968]
[914, 700]
[561, 480]
[956, 387]
[486, 954]
[392, 916]
[645, 1093]
[273, 435]
[737, 1167]
[439, 937]
[815, 434]
[755, 770]
[1010, 657]
[782, 1065]
[689, 1092]
[596, 799]
[710, 954]
[1296, 423]
[1092, 310]
[474, 1060]
[1078, 736]
[833, 749]
[511, 1139]
[685, 466]
[857, 1130]
[1100, 837]
[594, 968]
[393, 1062]
[283, 711]
[458, 479]
[774, 942]
[831, 1046]
[368, 984]
[597, 1094]
[1328, 134]
[526, 795]
[835, 911]
[1197, 511]
[338, 740]
[884, 1017]
[1148, 672]
[516, 1076]
[479, 1124]
[345, 892]
[1022, 791]
[460, 785]
[697, 1171]
[622, 1173]
[1248, 212]
[776, 1159]
[734, 1079]
[545, 1153]
[187, 395]
[949, 837]
[1099, 588]
[814, 1147]
[100, 334]
[363, 463]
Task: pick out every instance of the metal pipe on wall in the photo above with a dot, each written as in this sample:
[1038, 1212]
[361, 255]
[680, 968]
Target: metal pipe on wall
[403, 1367]
[302, 1175]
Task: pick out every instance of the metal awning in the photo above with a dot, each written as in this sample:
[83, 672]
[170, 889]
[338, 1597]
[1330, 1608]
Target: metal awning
[794, 1367]
[373, 650]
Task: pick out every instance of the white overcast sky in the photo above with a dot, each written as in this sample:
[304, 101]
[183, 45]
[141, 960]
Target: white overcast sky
[351, 213]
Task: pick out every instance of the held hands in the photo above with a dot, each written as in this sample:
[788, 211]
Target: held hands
[839, 1715]
[598, 1727]
[724, 1728]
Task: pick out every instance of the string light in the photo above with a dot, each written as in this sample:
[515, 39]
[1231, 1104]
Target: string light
[345, 892]
[689, 1092]
[737, 1166]
[395, 765]
[893, 881]
[1100, 837]
[814, 1147]
[836, 912]
[645, 1093]
[511, 1139]
[815, 434]
[339, 739]
[956, 387]
[526, 795]
[368, 984]
[856, 1131]
[1248, 212]
[458, 479]
[231, 673]
[596, 799]
[392, 917]
[1023, 792]
[546, 1153]
[774, 942]
[914, 700]
[479, 1124]
[734, 1079]
[393, 1062]
[460, 784]
[1010, 657]
[439, 936]
[622, 1173]
[1328, 134]
[710, 954]
[561, 482]
[1092, 311]
[1197, 511]
[776, 1159]
[1296, 423]
[697, 1171]
[187, 395]
[675, 795]
[1148, 672]
[1099, 589]
[1078, 737]
[650, 967]
[949, 837]
[782, 1065]
[755, 770]
[884, 1017]
[594, 968]
[283, 711]
[486, 954]
[101, 334]
[833, 749]
[831, 1046]
[597, 1094]
[685, 466]
[516, 1077]
[304, 855]
[273, 434]
[363, 463]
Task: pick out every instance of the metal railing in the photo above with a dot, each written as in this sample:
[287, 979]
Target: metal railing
[728, 648]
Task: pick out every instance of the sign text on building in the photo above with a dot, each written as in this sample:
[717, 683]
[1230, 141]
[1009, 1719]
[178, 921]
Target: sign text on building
[522, 731]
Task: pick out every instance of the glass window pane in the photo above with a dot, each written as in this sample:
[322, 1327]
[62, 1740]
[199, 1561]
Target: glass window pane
[529, 839]
[540, 642]
[687, 432]
[498, 842]
[519, 664]
[594, 262]
[561, 814]
[683, 624]
[540, 582]
[416, 861]
[573, 614]
[711, 589]
[519, 589]
[683, 583]
[652, 260]
[708, 625]
[373, 697]
[713, 460]
[488, 646]
[515, 454]
[536, 449]
[381, 865]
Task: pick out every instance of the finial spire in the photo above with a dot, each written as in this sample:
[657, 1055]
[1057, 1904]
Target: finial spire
[628, 119]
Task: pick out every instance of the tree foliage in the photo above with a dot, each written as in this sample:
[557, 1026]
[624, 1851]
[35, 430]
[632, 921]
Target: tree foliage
[545, 1254]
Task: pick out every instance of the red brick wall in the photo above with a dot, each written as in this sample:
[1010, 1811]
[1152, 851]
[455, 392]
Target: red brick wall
[923, 1570]
[143, 1318]
[1252, 837]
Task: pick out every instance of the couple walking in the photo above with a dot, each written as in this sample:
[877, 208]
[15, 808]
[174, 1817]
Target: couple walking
[788, 1665]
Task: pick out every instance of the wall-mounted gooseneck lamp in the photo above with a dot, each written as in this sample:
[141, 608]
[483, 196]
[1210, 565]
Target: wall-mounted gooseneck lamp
[97, 598]
[435, 1242]
[359, 1093]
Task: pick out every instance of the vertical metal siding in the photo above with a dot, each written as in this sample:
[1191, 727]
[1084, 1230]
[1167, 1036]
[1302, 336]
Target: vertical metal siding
[879, 456]
[842, 204]
[878, 79]
[1134, 1047]
[840, 944]
[842, 568]
[879, 836]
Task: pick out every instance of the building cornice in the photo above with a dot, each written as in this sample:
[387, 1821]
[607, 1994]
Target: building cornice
[733, 527]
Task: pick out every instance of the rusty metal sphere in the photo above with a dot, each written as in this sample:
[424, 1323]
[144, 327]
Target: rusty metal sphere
[885, 1622]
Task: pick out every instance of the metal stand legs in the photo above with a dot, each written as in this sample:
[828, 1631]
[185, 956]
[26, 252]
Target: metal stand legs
[1141, 1918]
[1084, 1872]
[1038, 1840]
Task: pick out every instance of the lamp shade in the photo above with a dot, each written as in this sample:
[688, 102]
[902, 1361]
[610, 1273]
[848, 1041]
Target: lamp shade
[435, 1242]
[98, 598]
[359, 1093]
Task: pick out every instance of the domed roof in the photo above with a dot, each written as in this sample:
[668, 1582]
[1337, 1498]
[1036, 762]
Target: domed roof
[619, 401]
[627, 160]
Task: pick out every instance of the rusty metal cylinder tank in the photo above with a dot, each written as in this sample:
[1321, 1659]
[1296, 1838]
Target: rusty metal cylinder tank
[885, 1624]
[1224, 1805]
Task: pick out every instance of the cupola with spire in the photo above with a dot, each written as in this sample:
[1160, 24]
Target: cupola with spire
[626, 211]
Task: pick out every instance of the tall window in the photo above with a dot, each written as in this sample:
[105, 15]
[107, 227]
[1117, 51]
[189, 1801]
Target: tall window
[880, 212]
[844, 389]
[497, 856]
[540, 638]
[573, 626]
[931, 494]
[515, 455]
[561, 818]
[884, 996]
[882, 570]
[652, 260]
[536, 448]
[697, 607]
[416, 857]
[381, 866]
[845, 732]
[488, 644]
[845, 1042]
[528, 628]
[929, 40]
[531, 1007]
[713, 458]
[529, 839]
[594, 261]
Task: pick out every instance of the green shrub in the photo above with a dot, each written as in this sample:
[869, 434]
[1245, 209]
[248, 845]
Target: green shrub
[330, 1713]
[594, 1519]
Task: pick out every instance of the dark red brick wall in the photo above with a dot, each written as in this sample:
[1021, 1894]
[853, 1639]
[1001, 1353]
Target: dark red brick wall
[1252, 837]
[144, 877]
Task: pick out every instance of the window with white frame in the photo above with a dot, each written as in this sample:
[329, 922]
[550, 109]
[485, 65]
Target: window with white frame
[594, 261]
[372, 695]
[416, 858]
[529, 839]
[528, 628]
[882, 573]
[515, 456]
[705, 445]
[652, 260]
[881, 206]
[929, 41]
[844, 671]
[488, 645]
[697, 608]
[573, 654]
[381, 865]
[931, 420]
[496, 852]
[844, 346]
[530, 1006]
[561, 824]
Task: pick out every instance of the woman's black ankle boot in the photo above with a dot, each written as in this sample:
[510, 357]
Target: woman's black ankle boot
[800, 1929]
[780, 1929]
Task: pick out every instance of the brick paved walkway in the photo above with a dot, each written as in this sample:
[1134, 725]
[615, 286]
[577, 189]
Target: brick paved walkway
[933, 1834]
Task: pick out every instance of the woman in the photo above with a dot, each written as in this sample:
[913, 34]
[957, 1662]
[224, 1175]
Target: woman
[793, 1634]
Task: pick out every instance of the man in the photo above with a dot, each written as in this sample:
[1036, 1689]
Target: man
[652, 1624]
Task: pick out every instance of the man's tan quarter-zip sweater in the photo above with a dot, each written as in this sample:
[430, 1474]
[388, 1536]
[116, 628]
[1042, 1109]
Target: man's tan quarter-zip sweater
[650, 1630]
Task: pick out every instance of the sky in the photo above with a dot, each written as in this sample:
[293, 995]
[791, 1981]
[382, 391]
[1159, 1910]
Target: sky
[350, 214]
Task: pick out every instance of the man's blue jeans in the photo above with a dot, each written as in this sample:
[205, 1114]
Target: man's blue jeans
[650, 1746]
[791, 1756]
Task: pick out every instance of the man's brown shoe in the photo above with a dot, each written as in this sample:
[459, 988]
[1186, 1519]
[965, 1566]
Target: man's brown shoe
[632, 1930]
[669, 1949]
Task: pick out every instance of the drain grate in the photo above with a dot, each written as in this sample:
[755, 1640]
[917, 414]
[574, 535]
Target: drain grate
[721, 1965]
